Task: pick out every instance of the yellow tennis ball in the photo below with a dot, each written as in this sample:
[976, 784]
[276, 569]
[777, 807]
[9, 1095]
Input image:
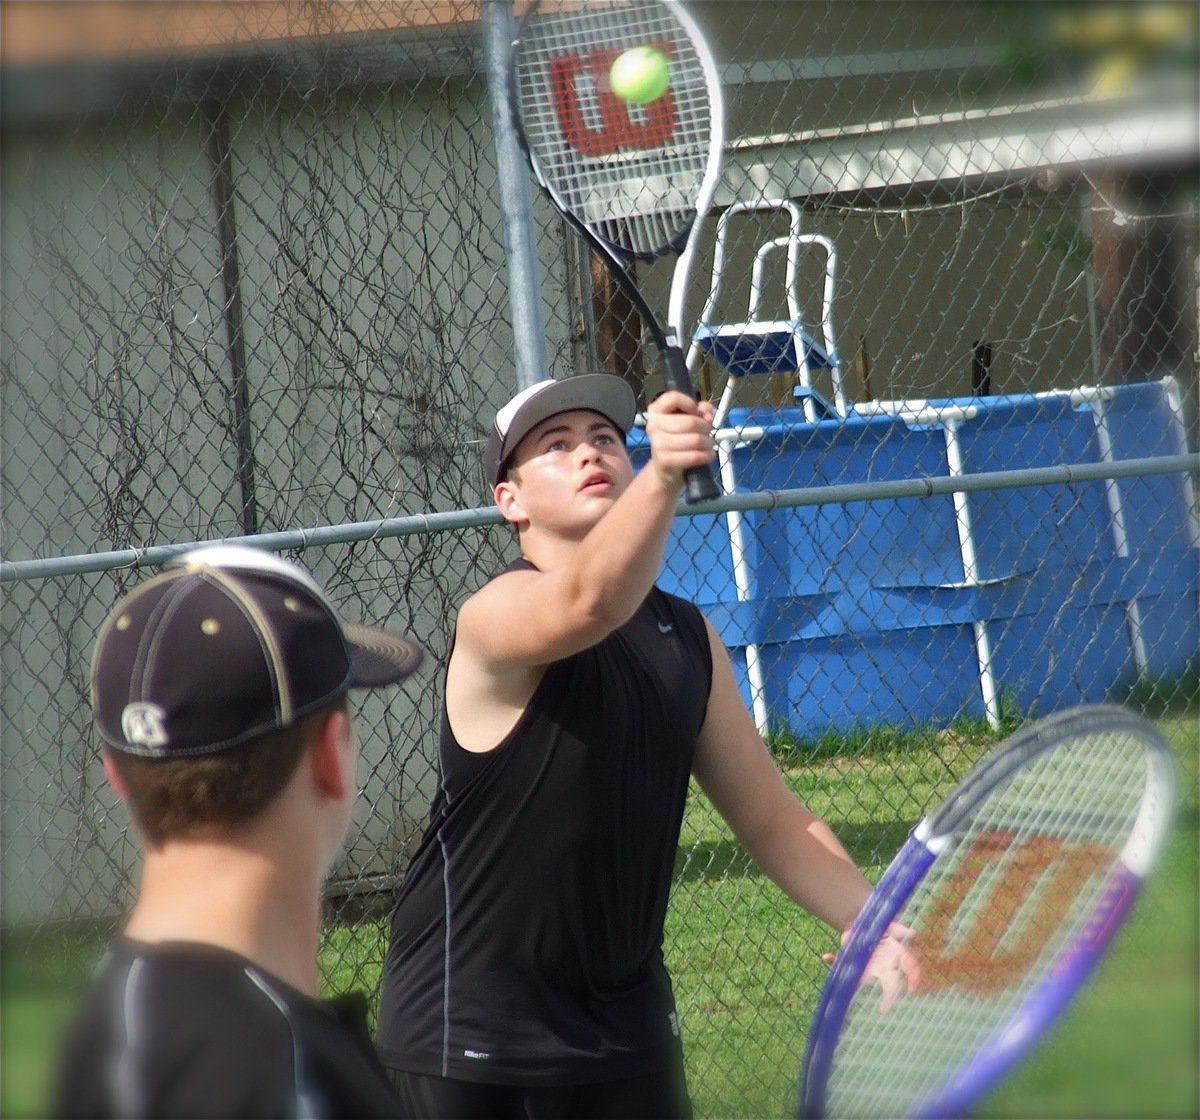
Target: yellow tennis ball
[640, 75]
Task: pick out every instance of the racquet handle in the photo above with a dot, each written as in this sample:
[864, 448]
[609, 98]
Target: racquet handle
[700, 484]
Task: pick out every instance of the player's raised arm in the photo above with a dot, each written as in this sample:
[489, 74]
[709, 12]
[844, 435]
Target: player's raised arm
[592, 529]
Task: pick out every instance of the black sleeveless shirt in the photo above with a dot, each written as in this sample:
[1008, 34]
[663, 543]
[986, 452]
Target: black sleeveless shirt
[527, 936]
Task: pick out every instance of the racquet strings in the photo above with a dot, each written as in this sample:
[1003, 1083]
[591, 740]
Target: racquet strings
[1085, 796]
[637, 186]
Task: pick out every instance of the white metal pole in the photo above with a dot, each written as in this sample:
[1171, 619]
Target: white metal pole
[966, 544]
[743, 586]
[1116, 511]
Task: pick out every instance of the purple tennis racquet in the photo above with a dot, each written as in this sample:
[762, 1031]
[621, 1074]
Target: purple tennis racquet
[1012, 890]
[633, 180]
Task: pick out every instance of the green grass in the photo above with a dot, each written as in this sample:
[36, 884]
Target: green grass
[748, 975]
[1130, 1046]
[747, 962]
[40, 980]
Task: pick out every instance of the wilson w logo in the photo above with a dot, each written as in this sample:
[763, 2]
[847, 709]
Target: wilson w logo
[593, 119]
[992, 918]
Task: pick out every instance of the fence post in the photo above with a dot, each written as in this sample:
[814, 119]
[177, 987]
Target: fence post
[516, 204]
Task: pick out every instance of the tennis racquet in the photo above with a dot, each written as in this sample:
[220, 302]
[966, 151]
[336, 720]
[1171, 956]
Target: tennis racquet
[632, 180]
[1012, 890]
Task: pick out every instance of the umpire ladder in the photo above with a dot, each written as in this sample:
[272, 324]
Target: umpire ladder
[764, 345]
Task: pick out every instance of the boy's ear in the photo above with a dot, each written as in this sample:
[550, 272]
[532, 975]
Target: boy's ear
[508, 501]
[329, 760]
[114, 775]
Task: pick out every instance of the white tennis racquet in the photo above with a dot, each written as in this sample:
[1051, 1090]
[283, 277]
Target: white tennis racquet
[633, 180]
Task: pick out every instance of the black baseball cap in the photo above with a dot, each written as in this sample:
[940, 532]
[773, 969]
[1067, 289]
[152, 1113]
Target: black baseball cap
[604, 393]
[227, 643]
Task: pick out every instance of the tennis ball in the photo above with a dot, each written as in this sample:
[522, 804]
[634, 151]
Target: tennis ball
[640, 75]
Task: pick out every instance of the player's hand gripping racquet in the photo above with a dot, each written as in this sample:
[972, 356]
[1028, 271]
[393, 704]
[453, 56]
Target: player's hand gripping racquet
[1012, 890]
[632, 179]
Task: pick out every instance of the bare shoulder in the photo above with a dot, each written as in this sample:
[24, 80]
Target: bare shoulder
[489, 613]
[490, 678]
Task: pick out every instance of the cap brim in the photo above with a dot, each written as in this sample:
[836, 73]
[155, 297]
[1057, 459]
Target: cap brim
[379, 657]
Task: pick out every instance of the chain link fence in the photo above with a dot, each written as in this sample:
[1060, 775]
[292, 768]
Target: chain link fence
[254, 282]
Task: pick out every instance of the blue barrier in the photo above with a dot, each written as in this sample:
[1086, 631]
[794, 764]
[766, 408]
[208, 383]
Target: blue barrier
[910, 611]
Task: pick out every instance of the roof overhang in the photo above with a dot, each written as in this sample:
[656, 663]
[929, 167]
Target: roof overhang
[969, 149]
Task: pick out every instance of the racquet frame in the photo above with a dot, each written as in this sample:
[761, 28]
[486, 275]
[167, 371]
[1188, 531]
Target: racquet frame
[1075, 961]
[700, 482]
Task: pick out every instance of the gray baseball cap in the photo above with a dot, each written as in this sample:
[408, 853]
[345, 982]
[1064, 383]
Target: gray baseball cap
[604, 393]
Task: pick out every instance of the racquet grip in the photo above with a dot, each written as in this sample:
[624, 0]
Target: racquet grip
[700, 484]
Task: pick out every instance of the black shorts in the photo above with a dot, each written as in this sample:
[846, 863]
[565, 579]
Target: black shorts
[655, 1096]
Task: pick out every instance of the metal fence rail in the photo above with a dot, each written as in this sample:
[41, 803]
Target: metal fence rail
[300, 539]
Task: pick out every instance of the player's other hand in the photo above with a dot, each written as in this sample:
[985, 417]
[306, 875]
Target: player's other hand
[680, 433]
[893, 965]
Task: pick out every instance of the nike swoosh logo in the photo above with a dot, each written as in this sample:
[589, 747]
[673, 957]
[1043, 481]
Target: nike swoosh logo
[665, 627]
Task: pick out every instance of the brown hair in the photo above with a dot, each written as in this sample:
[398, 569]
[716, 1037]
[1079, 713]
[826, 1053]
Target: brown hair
[187, 798]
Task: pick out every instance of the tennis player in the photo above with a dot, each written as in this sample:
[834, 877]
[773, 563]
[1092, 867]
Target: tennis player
[525, 976]
[220, 691]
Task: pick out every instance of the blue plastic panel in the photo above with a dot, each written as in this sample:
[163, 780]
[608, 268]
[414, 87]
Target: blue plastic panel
[859, 610]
